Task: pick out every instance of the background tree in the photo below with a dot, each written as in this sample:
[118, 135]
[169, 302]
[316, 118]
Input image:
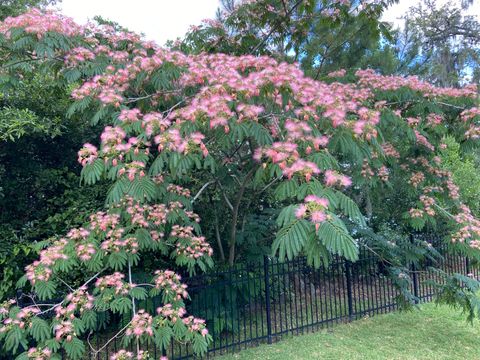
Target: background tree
[322, 36]
[440, 43]
[39, 177]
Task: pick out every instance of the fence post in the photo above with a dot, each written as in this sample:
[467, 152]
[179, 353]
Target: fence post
[414, 276]
[348, 274]
[467, 265]
[266, 261]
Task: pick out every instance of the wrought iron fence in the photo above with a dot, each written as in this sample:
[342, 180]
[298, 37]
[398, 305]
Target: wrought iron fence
[253, 303]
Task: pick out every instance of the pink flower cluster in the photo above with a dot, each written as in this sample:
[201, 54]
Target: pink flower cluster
[453, 189]
[422, 140]
[5, 307]
[130, 115]
[133, 169]
[168, 312]
[470, 114]
[333, 178]
[39, 353]
[314, 208]
[79, 300]
[101, 222]
[196, 247]
[413, 122]
[141, 324]
[390, 151]
[115, 245]
[114, 281]
[78, 55]
[366, 122]
[87, 154]
[128, 355]
[285, 154]
[383, 173]
[179, 190]
[172, 140]
[64, 330]
[170, 283]
[155, 123]
[416, 179]
[41, 270]
[370, 78]
[196, 325]
[416, 213]
[188, 244]
[469, 231]
[84, 248]
[367, 171]
[428, 203]
[39, 22]
[337, 73]
[23, 319]
[434, 119]
[144, 215]
[473, 132]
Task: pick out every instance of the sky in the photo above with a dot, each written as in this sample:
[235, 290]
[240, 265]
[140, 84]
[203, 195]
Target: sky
[163, 20]
[159, 20]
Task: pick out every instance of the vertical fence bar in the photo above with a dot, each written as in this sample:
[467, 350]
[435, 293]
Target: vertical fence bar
[467, 266]
[348, 276]
[266, 260]
[414, 276]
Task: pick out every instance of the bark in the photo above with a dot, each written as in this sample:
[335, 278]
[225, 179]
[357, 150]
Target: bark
[236, 207]
[219, 239]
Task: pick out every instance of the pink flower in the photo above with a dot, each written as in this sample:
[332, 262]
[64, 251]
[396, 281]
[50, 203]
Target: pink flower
[301, 211]
[318, 217]
[333, 178]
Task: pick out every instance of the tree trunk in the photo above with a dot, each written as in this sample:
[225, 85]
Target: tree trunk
[233, 228]
[219, 239]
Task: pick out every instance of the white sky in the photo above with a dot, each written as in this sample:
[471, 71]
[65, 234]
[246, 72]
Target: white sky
[163, 20]
[159, 20]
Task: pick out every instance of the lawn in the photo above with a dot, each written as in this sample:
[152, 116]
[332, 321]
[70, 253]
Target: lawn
[428, 333]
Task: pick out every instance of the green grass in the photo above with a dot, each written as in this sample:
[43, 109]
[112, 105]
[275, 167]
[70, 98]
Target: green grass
[433, 332]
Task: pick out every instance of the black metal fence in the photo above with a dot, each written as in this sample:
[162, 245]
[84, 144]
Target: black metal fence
[254, 303]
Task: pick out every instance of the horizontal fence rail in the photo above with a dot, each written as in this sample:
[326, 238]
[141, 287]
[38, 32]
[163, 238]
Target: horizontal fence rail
[251, 304]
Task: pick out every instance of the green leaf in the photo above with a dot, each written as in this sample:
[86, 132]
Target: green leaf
[14, 339]
[260, 134]
[74, 348]
[350, 208]
[91, 173]
[121, 305]
[72, 74]
[163, 336]
[117, 261]
[45, 289]
[317, 253]
[142, 189]
[287, 189]
[199, 344]
[334, 235]
[89, 319]
[291, 239]
[118, 190]
[138, 293]
[324, 160]
[286, 216]
[40, 330]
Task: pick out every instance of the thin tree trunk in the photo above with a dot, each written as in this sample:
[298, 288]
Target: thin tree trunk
[233, 228]
[217, 235]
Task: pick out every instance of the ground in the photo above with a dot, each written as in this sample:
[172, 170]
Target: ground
[431, 332]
